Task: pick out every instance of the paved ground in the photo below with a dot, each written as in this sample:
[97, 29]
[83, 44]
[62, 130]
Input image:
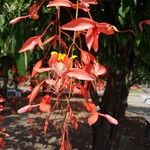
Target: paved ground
[21, 138]
[136, 103]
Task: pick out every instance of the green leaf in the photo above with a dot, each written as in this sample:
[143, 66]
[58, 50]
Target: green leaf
[2, 21]
[20, 62]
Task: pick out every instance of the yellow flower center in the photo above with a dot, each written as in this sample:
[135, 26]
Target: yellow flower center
[62, 56]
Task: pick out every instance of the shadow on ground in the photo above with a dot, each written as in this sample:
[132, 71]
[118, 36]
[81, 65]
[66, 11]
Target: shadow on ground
[24, 136]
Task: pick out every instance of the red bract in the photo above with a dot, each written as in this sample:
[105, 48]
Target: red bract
[45, 104]
[52, 40]
[46, 125]
[94, 2]
[1, 99]
[79, 24]
[36, 66]
[1, 108]
[84, 4]
[2, 142]
[15, 20]
[79, 74]
[93, 30]
[109, 118]
[67, 145]
[34, 93]
[93, 118]
[90, 106]
[73, 119]
[45, 107]
[26, 108]
[31, 43]
[142, 23]
[32, 13]
[56, 3]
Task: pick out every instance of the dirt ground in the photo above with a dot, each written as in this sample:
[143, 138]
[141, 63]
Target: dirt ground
[25, 135]
[135, 130]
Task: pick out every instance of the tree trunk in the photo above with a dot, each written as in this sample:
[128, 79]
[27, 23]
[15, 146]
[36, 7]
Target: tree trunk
[114, 102]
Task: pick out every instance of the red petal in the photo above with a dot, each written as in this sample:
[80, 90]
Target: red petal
[40, 70]
[33, 9]
[89, 38]
[56, 3]
[90, 1]
[95, 42]
[105, 28]
[40, 43]
[34, 93]
[111, 119]
[24, 109]
[93, 118]
[15, 20]
[1, 100]
[36, 66]
[143, 22]
[29, 44]
[74, 122]
[50, 82]
[99, 69]
[45, 107]
[1, 108]
[49, 40]
[90, 106]
[79, 24]
[85, 57]
[79, 74]
[46, 125]
[67, 145]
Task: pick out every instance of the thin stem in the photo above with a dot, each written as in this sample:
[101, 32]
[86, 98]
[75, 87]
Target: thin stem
[59, 29]
[41, 3]
[76, 16]
[90, 15]
[47, 28]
